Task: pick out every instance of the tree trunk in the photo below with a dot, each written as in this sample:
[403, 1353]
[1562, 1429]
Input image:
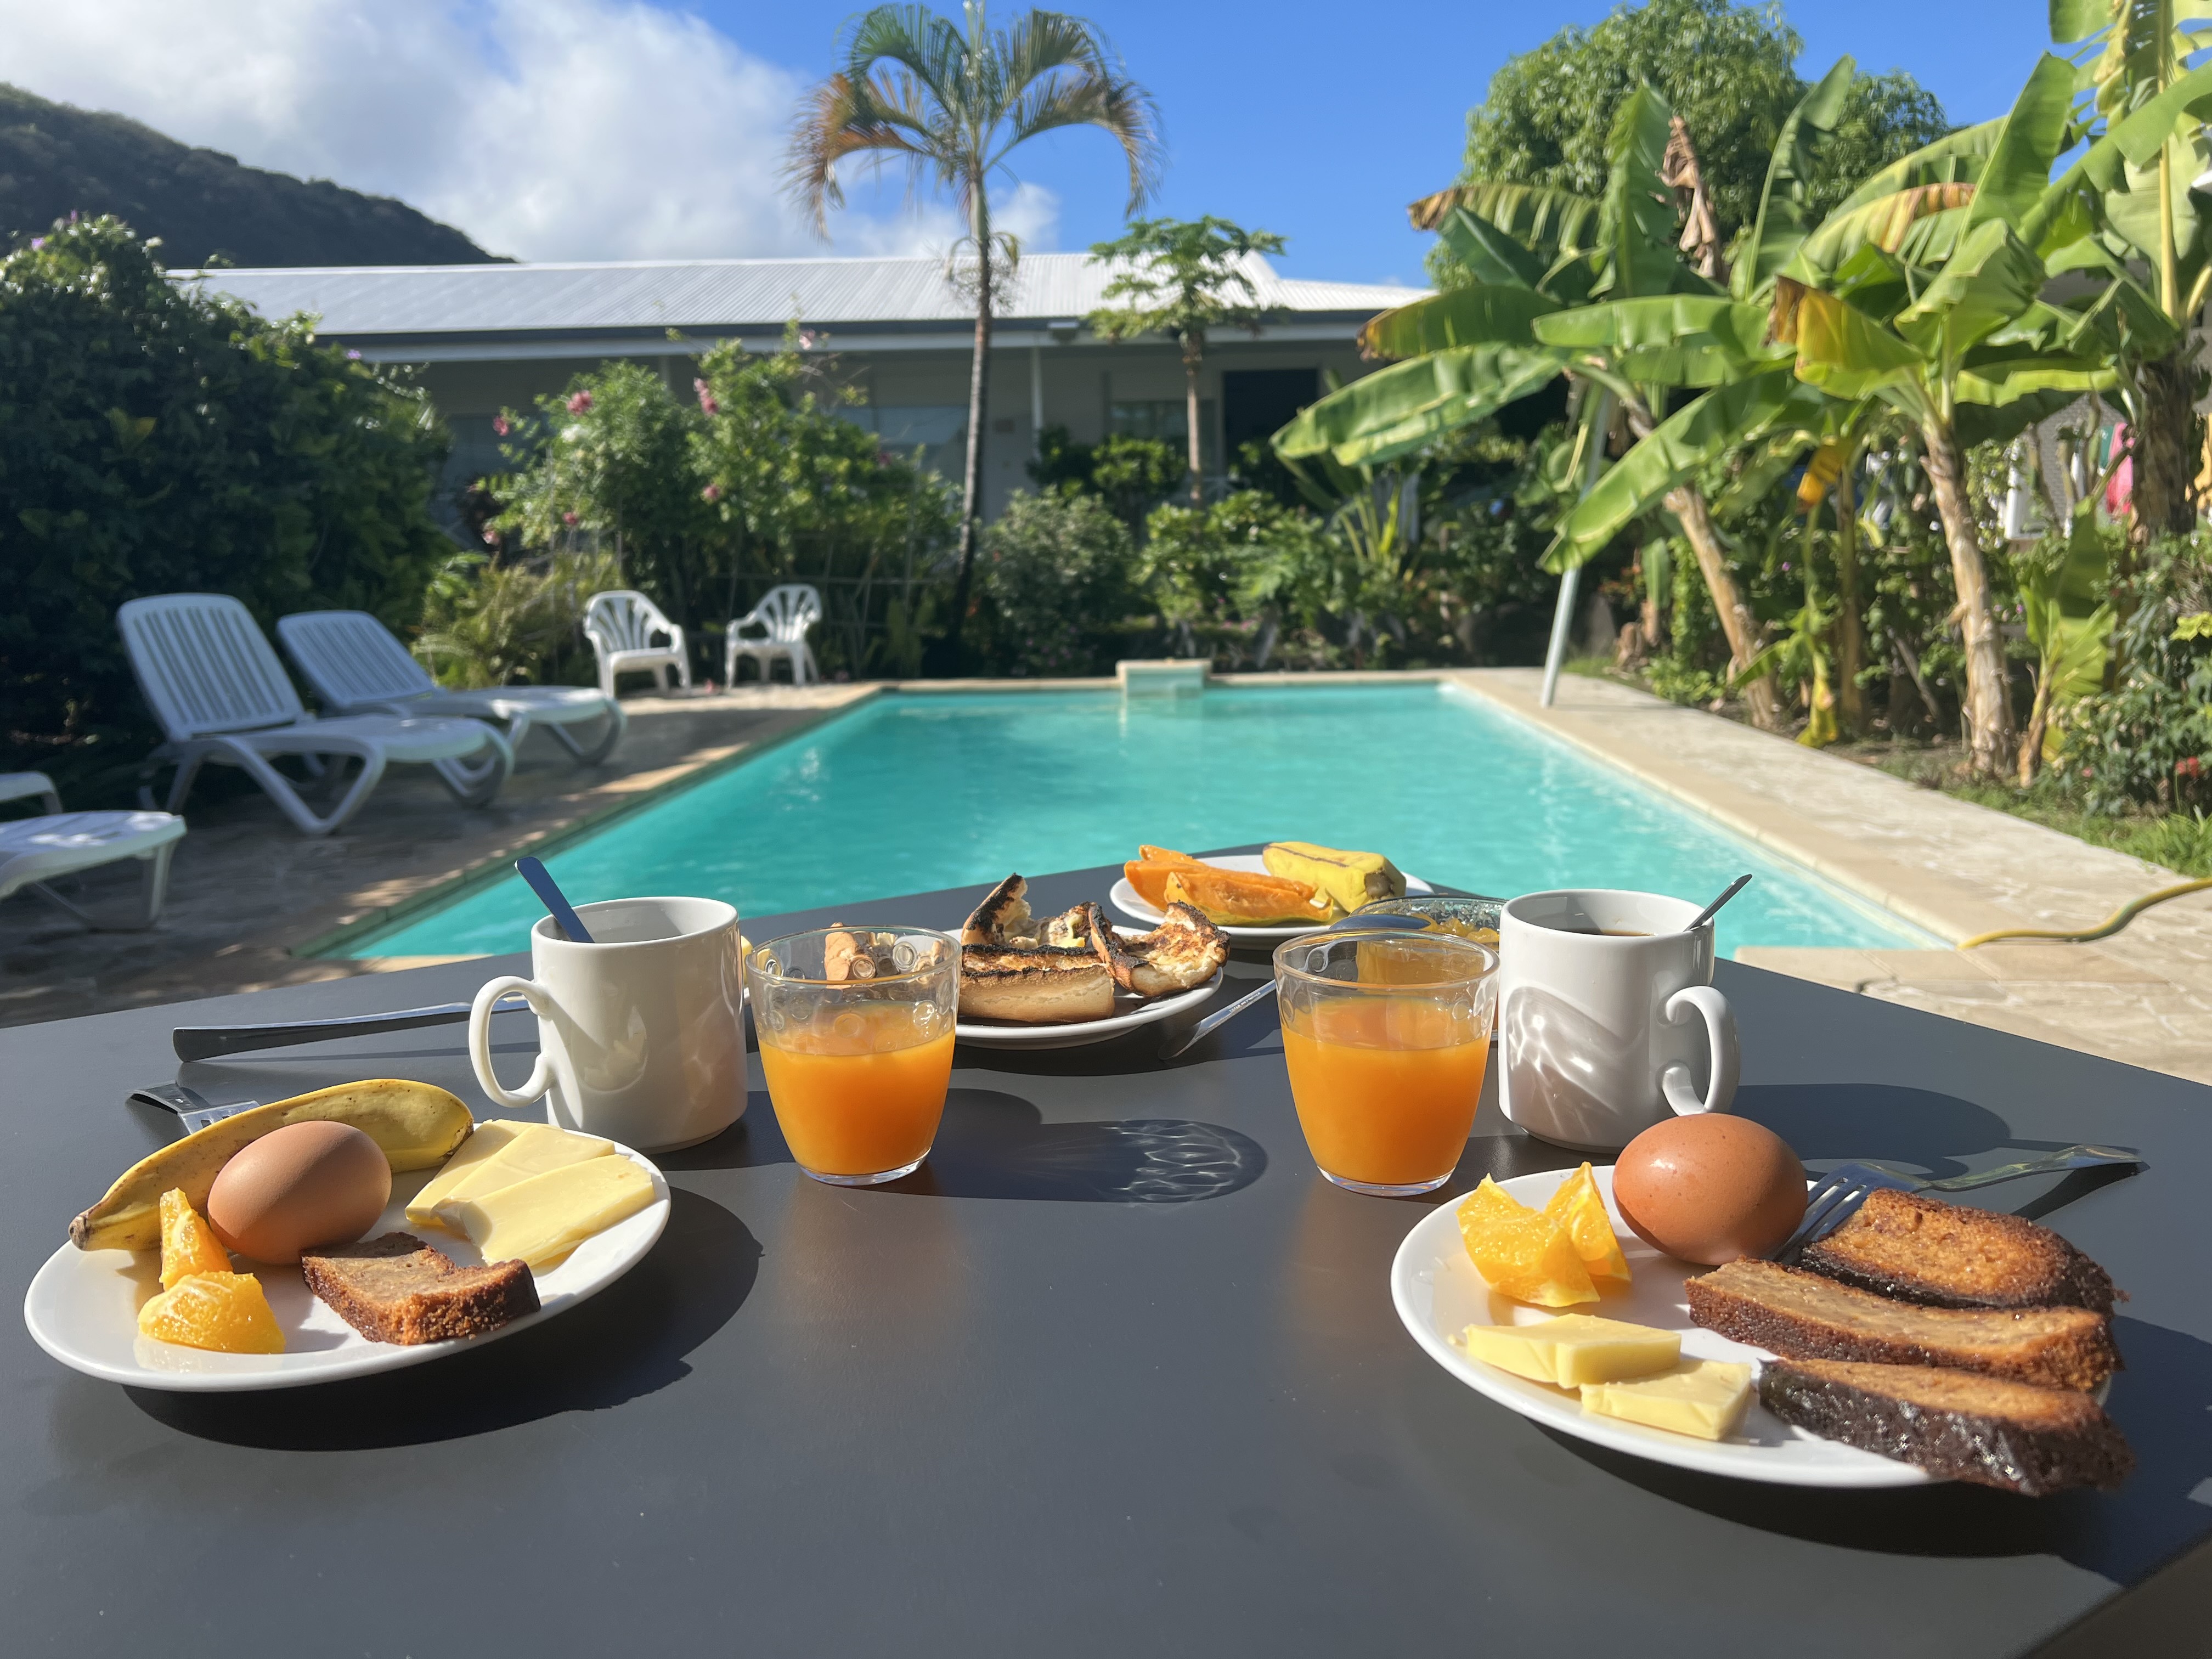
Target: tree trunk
[2166, 449]
[2031, 741]
[1987, 710]
[971, 484]
[1193, 354]
[1687, 503]
[1850, 620]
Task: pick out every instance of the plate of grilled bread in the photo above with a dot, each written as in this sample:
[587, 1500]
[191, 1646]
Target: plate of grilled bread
[1920, 1341]
[1293, 887]
[1061, 981]
[251, 1259]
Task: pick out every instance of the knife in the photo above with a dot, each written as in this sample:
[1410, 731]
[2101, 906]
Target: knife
[193, 1109]
[208, 1041]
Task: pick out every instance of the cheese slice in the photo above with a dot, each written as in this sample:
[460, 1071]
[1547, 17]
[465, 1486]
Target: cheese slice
[1574, 1349]
[539, 1148]
[484, 1140]
[1702, 1397]
[541, 1220]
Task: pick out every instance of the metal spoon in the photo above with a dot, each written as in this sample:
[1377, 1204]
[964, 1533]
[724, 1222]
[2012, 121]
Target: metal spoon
[1177, 1041]
[551, 896]
[1713, 910]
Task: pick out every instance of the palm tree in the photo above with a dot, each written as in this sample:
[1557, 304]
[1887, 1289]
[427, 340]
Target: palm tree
[954, 100]
[1183, 276]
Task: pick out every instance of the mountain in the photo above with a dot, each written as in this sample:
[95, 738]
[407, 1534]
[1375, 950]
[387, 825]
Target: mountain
[56, 159]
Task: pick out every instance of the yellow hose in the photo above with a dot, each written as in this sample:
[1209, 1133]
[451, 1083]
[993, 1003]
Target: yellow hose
[2112, 924]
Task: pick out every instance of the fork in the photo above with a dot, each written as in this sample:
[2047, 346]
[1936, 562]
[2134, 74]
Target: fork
[1836, 1199]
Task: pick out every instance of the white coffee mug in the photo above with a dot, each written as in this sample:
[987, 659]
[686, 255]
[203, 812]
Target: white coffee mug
[641, 1034]
[1607, 1015]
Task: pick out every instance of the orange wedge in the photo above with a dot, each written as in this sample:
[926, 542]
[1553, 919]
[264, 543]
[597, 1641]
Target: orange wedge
[1524, 1253]
[1577, 1205]
[1242, 899]
[188, 1244]
[226, 1313]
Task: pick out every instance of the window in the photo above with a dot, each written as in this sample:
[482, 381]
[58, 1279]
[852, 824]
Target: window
[938, 430]
[1166, 419]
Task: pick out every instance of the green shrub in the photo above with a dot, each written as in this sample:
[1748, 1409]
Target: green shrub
[1055, 572]
[156, 439]
[2148, 741]
[1227, 580]
[519, 624]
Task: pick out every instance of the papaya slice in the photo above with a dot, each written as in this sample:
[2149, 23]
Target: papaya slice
[1147, 873]
[1237, 898]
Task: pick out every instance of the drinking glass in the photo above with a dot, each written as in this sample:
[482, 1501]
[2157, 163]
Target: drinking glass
[856, 1027]
[1386, 1035]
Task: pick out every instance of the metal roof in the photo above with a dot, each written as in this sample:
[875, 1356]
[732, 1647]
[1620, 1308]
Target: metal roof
[356, 301]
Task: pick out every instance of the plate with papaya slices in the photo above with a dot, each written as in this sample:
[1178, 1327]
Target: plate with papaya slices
[1254, 897]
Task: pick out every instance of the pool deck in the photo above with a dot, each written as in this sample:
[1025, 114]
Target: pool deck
[247, 892]
[2144, 996]
[250, 897]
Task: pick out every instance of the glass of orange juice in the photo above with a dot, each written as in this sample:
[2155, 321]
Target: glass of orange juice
[1387, 1035]
[855, 1027]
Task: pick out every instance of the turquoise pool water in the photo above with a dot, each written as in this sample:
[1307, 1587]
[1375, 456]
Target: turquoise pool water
[913, 793]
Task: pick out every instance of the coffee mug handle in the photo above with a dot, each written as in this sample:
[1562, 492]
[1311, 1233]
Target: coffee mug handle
[1728, 1057]
[541, 1074]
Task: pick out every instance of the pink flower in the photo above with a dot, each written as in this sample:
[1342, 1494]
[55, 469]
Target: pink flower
[2189, 767]
[568, 517]
[806, 339]
[580, 403]
[713, 492]
[490, 536]
[707, 404]
[501, 425]
[37, 242]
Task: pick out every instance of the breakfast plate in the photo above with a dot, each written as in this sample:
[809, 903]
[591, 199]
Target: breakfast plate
[82, 1307]
[1125, 900]
[1439, 1294]
[1076, 1034]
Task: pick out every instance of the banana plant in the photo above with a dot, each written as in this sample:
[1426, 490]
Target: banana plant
[1538, 256]
[2069, 621]
[2137, 90]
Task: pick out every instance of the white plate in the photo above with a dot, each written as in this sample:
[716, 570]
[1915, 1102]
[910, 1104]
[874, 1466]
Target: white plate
[990, 1034]
[1127, 902]
[83, 1308]
[1439, 1294]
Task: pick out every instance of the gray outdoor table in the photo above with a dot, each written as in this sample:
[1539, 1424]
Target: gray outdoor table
[1116, 1372]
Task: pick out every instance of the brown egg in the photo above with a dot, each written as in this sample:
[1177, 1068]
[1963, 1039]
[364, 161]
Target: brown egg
[302, 1185]
[1710, 1188]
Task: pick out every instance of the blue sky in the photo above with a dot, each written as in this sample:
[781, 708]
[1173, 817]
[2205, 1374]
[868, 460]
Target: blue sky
[1321, 121]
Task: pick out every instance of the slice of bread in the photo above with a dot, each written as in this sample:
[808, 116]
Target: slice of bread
[2009, 1435]
[1181, 954]
[1047, 987]
[1947, 1255]
[1801, 1316]
[398, 1289]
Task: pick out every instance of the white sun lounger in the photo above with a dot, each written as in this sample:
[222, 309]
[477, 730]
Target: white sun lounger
[214, 683]
[34, 852]
[357, 667]
[620, 624]
[786, 613]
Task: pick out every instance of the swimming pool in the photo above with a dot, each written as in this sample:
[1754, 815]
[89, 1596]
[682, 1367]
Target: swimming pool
[911, 793]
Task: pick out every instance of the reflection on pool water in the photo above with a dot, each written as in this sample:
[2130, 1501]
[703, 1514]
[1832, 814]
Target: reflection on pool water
[914, 791]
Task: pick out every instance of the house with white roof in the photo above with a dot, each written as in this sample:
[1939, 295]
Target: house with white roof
[492, 337]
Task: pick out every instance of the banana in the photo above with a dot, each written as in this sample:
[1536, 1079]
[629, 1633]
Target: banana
[1352, 880]
[416, 1124]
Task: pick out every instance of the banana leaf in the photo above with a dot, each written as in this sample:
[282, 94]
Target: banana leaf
[1956, 158]
[1990, 281]
[2034, 132]
[1674, 339]
[1398, 410]
[1920, 226]
[1841, 349]
[2004, 381]
[1488, 254]
[1698, 433]
[1784, 217]
[1545, 221]
[1637, 229]
[1482, 315]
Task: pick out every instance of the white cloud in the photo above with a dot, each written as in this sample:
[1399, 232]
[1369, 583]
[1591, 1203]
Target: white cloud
[545, 128]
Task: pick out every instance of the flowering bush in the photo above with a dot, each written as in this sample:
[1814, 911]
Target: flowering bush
[1054, 572]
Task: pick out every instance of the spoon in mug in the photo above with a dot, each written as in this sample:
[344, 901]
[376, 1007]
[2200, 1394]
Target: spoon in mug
[1177, 1041]
[551, 896]
[1712, 909]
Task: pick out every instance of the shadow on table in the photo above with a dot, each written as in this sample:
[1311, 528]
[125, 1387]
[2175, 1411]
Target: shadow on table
[2159, 1402]
[630, 1341]
[994, 1144]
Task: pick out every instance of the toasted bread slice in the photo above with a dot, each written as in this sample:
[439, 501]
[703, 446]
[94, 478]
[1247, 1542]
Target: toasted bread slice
[2009, 1435]
[1049, 985]
[1946, 1255]
[1004, 918]
[1183, 953]
[1803, 1316]
[395, 1288]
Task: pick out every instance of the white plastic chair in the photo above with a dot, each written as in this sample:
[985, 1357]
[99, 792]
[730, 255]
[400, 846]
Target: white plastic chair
[787, 613]
[34, 852]
[357, 667]
[620, 624]
[214, 683]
